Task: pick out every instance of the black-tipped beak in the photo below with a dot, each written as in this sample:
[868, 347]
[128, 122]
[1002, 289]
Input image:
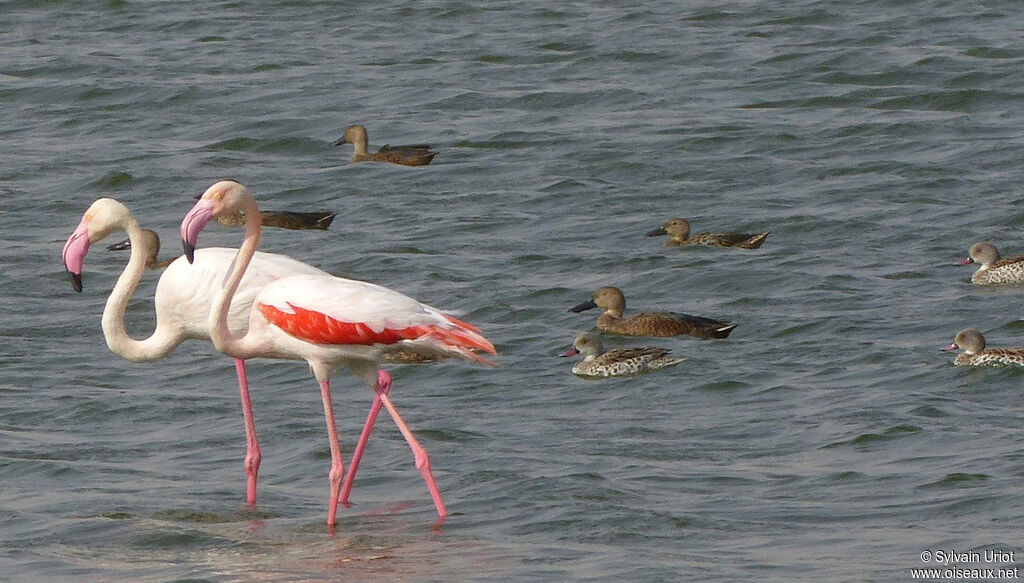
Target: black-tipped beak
[190, 251]
[339, 141]
[656, 232]
[74, 252]
[126, 244]
[589, 304]
[76, 281]
[192, 224]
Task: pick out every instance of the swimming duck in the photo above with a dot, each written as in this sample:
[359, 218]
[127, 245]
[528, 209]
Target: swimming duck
[648, 323]
[152, 249]
[280, 219]
[598, 362]
[286, 220]
[405, 155]
[993, 268]
[678, 231]
[975, 354]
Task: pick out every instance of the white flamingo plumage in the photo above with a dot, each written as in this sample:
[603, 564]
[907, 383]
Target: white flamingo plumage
[330, 322]
[183, 298]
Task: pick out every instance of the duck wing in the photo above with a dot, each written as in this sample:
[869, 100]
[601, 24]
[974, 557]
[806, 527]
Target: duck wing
[742, 240]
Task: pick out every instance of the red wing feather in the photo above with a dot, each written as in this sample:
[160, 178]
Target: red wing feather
[318, 328]
[461, 323]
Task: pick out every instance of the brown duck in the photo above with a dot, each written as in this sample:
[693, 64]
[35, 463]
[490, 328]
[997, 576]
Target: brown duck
[280, 219]
[405, 155]
[678, 231]
[152, 249]
[286, 220]
[648, 323]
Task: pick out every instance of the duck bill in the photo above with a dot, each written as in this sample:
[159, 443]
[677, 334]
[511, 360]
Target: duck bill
[950, 347]
[965, 261]
[73, 255]
[656, 232]
[192, 224]
[123, 245]
[339, 141]
[587, 305]
[570, 352]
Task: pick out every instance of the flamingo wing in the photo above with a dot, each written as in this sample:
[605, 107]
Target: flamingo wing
[337, 311]
[186, 291]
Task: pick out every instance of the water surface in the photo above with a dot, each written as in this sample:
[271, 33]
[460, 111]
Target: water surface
[826, 439]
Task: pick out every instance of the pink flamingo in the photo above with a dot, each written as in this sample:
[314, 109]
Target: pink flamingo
[183, 298]
[331, 323]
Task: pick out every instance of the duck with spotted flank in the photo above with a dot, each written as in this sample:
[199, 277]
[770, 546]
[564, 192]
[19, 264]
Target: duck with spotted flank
[972, 343]
[598, 362]
[994, 269]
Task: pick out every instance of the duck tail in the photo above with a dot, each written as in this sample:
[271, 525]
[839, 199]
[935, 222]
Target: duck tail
[724, 331]
[756, 241]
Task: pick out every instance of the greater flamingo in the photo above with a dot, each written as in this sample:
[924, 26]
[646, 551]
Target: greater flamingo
[331, 323]
[153, 262]
[183, 297]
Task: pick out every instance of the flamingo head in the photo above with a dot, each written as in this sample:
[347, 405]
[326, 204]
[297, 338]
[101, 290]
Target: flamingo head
[226, 197]
[105, 216]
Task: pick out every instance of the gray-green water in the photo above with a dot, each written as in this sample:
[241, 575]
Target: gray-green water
[827, 439]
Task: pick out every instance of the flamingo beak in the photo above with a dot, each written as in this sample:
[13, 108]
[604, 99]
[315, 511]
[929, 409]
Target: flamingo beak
[656, 232]
[587, 305]
[965, 261]
[571, 352]
[951, 346]
[194, 222]
[76, 281]
[190, 251]
[73, 254]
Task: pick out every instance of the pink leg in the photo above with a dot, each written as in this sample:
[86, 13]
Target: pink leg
[371, 419]
[420, 454]
[253, 455]
[337, 465]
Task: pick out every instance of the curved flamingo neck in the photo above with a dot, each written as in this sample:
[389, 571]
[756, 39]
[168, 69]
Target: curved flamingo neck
[163, 340]
[223, 339]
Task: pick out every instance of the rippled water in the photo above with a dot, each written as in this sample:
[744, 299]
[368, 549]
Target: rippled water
[826, 439]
